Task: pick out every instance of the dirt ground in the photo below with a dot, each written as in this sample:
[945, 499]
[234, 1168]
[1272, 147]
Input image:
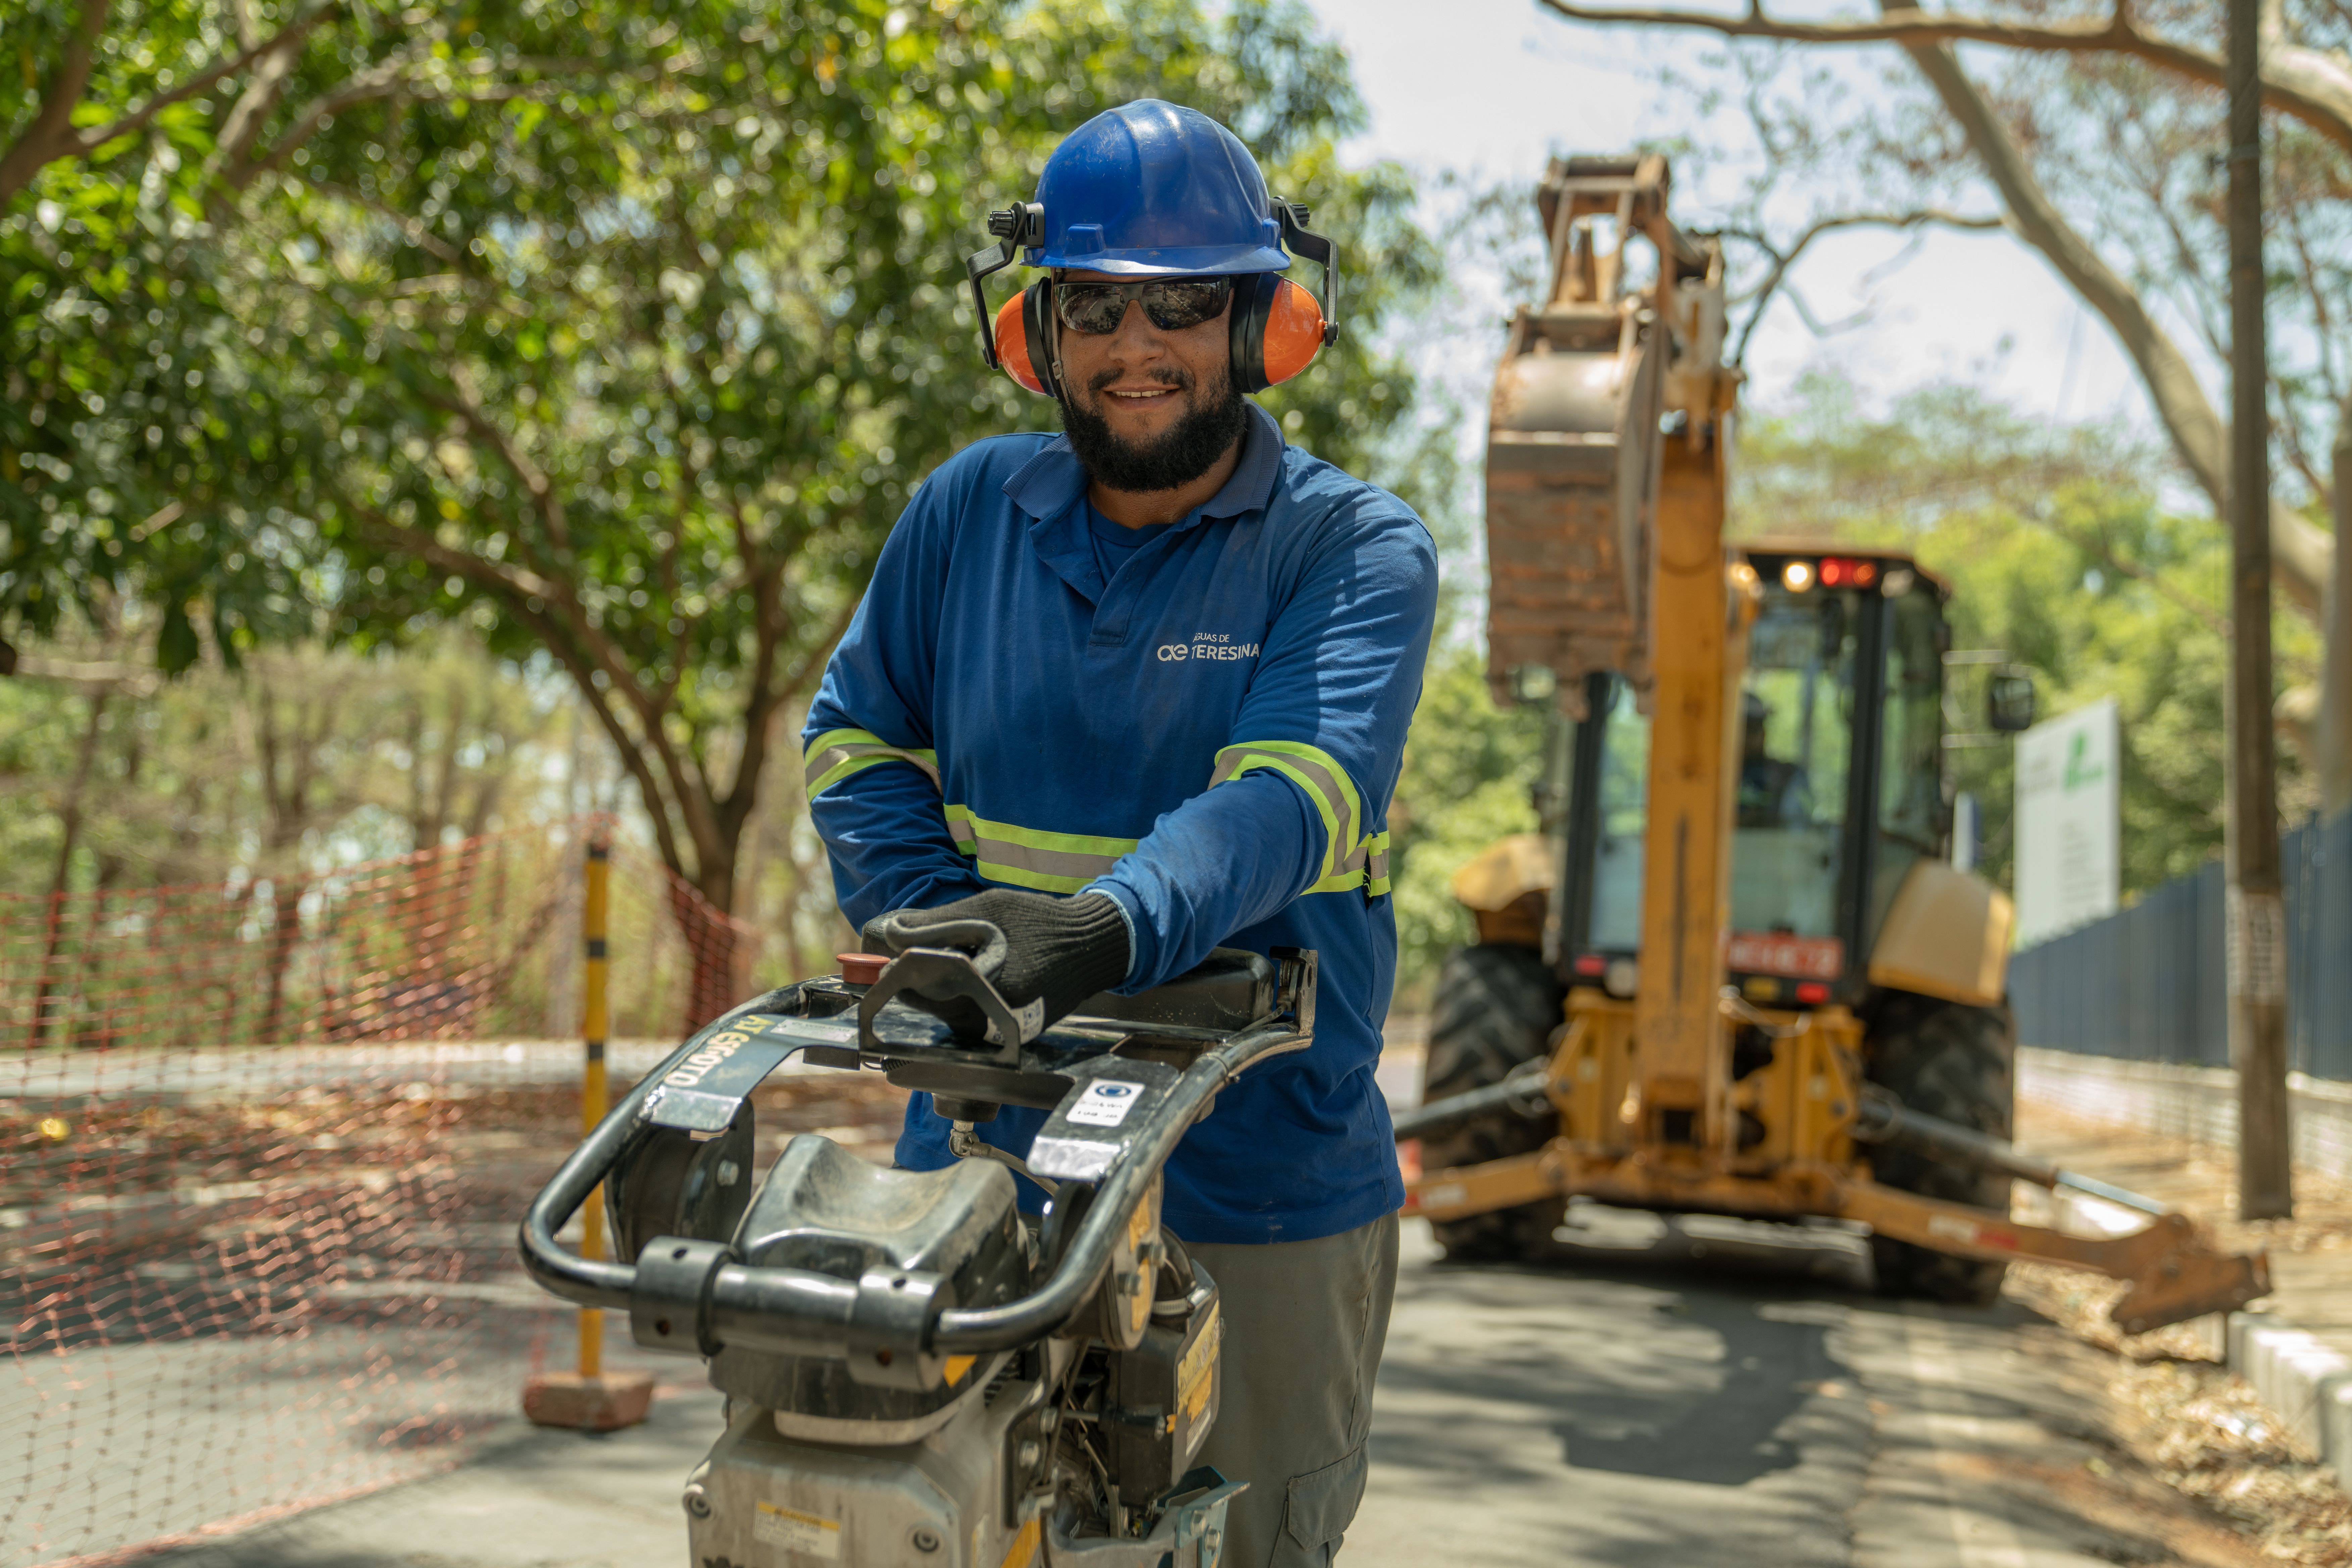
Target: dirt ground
[2184, 1418]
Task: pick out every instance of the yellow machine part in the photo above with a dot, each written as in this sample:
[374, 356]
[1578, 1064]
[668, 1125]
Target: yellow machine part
[1946, 935]
[1798, 1157]
[1507, 886]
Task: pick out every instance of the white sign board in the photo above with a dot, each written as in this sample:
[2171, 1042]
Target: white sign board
[2069, 822]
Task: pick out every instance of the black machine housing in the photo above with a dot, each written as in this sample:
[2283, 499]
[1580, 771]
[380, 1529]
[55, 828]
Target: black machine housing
[872, 1306]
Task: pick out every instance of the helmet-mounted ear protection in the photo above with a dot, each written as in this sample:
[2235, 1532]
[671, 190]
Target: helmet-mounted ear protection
[1278, 326]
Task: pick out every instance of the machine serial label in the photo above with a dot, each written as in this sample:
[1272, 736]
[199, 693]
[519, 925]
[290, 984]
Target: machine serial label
[1105, 1103]
[809, 1534]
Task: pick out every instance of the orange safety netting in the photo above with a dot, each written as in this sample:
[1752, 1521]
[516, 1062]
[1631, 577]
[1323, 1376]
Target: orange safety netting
[262, 1150]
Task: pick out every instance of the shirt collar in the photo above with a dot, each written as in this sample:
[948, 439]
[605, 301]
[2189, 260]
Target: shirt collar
[1049, 483]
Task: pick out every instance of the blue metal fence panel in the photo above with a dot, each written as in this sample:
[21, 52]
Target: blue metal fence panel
[2150, 983]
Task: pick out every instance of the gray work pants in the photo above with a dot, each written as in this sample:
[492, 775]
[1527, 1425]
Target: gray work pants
[1304, 1322]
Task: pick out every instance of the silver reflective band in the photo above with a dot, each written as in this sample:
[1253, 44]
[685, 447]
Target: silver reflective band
[837, 753]
[1031, 856]
[1351, 858]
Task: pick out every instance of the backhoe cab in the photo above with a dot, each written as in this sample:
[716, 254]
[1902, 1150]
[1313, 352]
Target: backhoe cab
[1737, 972]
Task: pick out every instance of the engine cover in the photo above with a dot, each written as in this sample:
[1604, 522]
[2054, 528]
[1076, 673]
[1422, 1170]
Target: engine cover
[762, 1501]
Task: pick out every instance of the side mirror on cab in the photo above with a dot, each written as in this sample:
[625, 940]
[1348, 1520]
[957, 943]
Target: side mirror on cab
[2009, 699]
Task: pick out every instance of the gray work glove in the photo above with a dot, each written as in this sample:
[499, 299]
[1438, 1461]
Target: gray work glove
[1056, 951]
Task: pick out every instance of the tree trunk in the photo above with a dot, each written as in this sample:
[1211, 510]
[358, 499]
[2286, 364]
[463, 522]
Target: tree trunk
[285, 936]
[68, 839]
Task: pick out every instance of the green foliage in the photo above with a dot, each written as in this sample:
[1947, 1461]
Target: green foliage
[2056, 553]
[619, 332]
[302, 760]
[1470, 774]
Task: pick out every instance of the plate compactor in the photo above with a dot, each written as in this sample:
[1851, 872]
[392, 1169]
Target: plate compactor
[1739, 972]
[914, 1372]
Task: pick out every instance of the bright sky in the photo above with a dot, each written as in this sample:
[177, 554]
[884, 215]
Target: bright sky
[1488, 88]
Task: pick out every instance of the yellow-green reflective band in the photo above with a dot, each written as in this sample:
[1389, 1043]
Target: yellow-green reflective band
[837, 753]
[1368, 868]
[1031, 858]
[1327, 783]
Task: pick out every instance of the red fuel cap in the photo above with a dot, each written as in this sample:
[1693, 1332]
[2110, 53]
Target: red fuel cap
[861, 968]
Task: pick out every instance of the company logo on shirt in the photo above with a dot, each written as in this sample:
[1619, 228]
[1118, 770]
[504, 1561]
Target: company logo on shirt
[1206, 645]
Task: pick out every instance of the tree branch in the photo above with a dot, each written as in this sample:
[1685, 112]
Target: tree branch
[1783, 261]
[2300, 552]
[544, 500]
[51, 136]
[411, 227]
[2305, 83]
[272, 66]
[517, 590]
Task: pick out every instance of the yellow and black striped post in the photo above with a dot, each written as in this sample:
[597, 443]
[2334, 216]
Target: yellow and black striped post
[594, 1090]
[588, 1398]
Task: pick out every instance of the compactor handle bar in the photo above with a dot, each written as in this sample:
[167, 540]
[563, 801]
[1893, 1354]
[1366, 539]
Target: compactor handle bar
[797, 1311]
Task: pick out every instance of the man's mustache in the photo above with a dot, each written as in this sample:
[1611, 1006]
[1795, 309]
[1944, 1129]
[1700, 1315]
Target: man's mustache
[1174, 376]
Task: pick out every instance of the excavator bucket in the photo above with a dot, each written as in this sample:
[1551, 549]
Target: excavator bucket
[1573, 446]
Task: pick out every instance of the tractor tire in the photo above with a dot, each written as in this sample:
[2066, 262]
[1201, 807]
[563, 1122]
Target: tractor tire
[1959, 1063]
[1497, 1006]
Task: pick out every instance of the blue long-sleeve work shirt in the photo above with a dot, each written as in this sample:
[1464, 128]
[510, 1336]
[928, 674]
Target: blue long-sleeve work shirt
[1210, 735]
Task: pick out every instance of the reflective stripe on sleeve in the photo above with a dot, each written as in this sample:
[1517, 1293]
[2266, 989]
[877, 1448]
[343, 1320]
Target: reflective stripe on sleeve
[1031, 858]
[837, 753]
[1351, 858]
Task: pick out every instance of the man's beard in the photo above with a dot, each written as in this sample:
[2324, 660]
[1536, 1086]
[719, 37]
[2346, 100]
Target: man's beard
[1181, 454]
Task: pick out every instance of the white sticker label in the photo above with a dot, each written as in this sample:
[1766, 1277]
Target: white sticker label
[811, 1534]
[1072, 1159]
[2255, 945]
[1105, 1103]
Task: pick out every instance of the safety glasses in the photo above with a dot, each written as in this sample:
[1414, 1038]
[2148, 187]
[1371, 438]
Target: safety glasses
[1172, 303]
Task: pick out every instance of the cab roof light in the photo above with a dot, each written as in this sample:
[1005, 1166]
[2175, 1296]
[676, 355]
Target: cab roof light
[1844, 572]
[1797, 577]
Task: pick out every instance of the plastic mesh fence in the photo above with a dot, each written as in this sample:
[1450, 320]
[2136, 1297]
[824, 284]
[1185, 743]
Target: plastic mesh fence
[262, 1151]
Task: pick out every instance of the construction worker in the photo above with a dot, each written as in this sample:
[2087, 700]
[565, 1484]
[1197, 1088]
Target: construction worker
[1138, 690]
[1773, 792]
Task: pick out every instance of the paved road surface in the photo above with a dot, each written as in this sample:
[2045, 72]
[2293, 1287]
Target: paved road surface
[1707, 1393]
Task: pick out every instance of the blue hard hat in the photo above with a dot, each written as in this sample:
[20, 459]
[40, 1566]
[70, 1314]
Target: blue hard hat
[1153, 189]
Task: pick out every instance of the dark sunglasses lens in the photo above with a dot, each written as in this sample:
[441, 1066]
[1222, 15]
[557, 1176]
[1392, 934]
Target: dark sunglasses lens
[1096, 309]
[1091, 308]
[1175, 305]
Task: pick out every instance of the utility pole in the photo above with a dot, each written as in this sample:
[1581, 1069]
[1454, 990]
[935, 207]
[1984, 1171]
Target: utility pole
[2257, 914]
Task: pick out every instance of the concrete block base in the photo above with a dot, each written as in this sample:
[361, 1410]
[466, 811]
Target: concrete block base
[2306, 1383]
[588, 1403]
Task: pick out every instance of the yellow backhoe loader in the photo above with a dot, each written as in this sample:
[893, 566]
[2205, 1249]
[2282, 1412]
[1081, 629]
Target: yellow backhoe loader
[1738, 972]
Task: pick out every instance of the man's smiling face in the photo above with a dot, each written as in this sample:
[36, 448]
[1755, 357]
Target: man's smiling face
[1148, 408]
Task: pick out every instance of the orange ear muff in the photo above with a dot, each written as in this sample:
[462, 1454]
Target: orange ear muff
[1294, 333]
[1278, 329]
[1013, 342]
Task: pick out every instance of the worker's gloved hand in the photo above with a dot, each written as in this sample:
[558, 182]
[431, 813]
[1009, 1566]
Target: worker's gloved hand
[1057, 952]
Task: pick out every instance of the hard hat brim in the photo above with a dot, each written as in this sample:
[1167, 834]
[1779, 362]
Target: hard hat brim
[1197, 261]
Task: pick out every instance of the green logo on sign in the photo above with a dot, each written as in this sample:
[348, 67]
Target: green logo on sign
[2080, 769]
